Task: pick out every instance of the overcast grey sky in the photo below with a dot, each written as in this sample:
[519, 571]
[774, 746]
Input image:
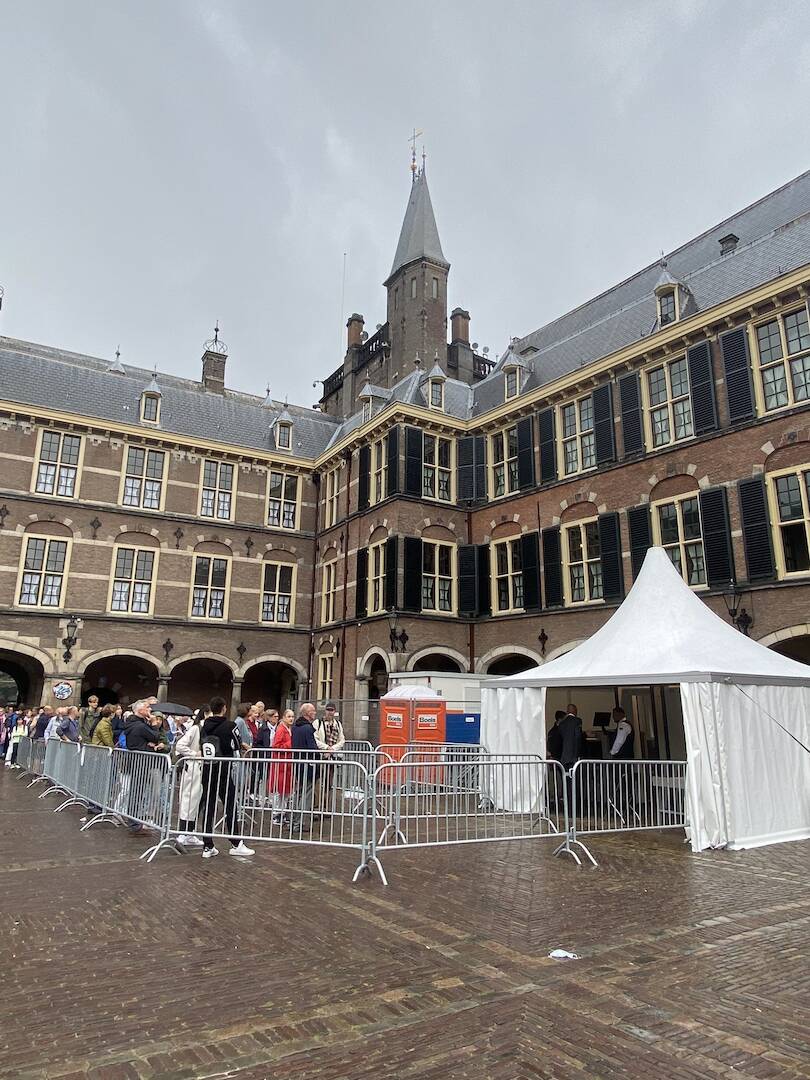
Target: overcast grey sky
[167, 163]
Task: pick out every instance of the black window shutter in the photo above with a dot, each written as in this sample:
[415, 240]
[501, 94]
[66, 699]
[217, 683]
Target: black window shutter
[716, 537]
[391, 571]
[465, 479]
[525, 455]
[756, 529]
[630, 408]
[480, 469]
[393, 461]
[413, 461]
[548, 449]
[364, 476]
[361, 589]
[603, 435]
[552, 567]
[610, 545]
[701, 386]
[412, 598]
[530, 557]
[484, 589]
[468, 579]
[639, 525]
[737, 369]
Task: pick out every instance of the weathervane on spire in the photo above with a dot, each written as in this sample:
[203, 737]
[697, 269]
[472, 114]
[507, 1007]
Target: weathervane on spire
[412, 141]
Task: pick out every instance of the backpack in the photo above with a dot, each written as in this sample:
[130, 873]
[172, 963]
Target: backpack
[209, 746]
[122, 740]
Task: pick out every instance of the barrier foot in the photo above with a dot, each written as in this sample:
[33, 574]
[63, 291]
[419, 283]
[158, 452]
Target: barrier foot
[587, 852]
[54, 790]
[396, 832]
[565, 849]
[36, 780]
[72, 801]
[365, 868]
[103, 816]
[167, 841]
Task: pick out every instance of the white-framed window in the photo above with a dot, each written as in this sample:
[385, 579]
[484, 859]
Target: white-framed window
[669, 404]
[576, 434]
[283, 491]
[677, 528]
[783, 351]
[58, 464]
[437, 468]
[326, 669]
[436, 398]
[278, 589]
[438, 573]
[284, 435]
[511, 383]
[379, 470]
[42, 572]
[150, 408]
[376, 578]
[504, 468]
[582, 554]
[131, 588]
[331, 489]
[366, 410]
[667, 307]
[144, 475]
[216, 499]
[507, 576]
[329, 592]
[209, 594]
[789, 494]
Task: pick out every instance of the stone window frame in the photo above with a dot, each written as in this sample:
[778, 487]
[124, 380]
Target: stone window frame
[331, 491]
[451, 576]
[576, 439]
[217, 489]
[803, 473]
[153, 401]
[508, 465]
[121, 545]
[669, 402]
[329, 590]
[226, 588]
[438, 471]
[58, 464]
[283, 501]
[682, 543]
[277, 592]
[43, 572]
[378, 479]
[375, 583]
[326, 675]
[785, 361]
[142, 478]
[580, 526]
[512, 575]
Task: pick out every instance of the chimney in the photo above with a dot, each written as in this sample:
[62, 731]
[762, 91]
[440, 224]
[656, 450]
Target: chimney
[355, 328]
[213, 363]
[460, 325]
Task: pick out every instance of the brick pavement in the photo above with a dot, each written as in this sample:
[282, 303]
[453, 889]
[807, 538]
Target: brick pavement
[692, 966]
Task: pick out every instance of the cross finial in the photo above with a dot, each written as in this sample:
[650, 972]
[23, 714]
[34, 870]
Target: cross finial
[412, 141]
[117, 353]
[216, 332]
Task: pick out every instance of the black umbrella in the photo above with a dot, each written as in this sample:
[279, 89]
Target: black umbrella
[168, 708]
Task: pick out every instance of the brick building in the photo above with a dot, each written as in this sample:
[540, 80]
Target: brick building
[440, 511]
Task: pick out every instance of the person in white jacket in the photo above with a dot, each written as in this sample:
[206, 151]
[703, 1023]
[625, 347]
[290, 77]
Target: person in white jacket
[187, 749]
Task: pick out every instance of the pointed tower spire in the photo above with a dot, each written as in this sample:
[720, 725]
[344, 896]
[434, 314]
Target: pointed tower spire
[419, 237]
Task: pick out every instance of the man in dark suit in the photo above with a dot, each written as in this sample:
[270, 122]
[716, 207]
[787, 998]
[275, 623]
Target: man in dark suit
[570, 728]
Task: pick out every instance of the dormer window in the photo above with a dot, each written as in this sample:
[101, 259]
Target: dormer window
[437, 393]
[728, 243]
[284, 435]
[667, 307]
[511, 383]
[150, 408]
[366, 410]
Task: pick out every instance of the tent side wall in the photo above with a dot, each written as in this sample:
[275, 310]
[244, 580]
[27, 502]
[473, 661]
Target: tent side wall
[513, 720]
[748, 780]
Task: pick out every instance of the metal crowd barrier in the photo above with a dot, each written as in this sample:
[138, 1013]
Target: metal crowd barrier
[361, 798]
[626, 796]
[25, 749]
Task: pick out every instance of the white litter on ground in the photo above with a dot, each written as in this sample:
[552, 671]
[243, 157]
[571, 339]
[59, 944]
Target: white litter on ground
[562, 954]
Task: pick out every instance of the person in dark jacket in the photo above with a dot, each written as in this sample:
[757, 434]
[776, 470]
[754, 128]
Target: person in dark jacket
[570, 728]
[43, 720]
[220, 744]
[140, 734]
[554, 737]
[307, 755]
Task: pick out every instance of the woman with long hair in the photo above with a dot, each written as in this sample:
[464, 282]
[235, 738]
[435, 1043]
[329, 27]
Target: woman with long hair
[280, 778]
[187, 749]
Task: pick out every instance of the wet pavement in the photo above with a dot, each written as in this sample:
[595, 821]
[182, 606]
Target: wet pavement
[278, 967]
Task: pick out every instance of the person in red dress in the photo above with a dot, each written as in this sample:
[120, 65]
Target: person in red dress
[280, 777]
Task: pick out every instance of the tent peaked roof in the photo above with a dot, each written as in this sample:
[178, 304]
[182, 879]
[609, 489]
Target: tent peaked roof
[663, 633]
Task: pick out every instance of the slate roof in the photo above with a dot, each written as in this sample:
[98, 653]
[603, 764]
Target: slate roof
[419, 237]
[38, 375]
[774, 238]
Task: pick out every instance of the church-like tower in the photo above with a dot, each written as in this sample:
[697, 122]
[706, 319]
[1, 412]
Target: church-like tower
[417, 286]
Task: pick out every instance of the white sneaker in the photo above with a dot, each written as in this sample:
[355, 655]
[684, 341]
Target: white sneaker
[192, 841]
[210, 852]
[241, 849]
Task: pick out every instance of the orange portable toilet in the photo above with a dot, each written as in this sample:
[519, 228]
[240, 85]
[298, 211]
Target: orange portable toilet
[395, 725]
[429, 721]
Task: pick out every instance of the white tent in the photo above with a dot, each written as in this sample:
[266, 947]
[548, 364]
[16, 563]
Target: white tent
[748, 780]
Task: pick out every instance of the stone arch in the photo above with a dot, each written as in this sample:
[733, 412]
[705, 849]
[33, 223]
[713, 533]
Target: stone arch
[11, 644]
[102, 654]
[505, 650]
[578, 511]
[792, 642]
[223, 548]
[45, 527]
[271, 658]
[563, 649]
[670, 487]
[364, 665]
[441, 650]
[202, 656]
[26, 668]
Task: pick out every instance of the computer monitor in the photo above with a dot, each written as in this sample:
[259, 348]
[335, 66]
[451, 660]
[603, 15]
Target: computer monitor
[601, 719]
